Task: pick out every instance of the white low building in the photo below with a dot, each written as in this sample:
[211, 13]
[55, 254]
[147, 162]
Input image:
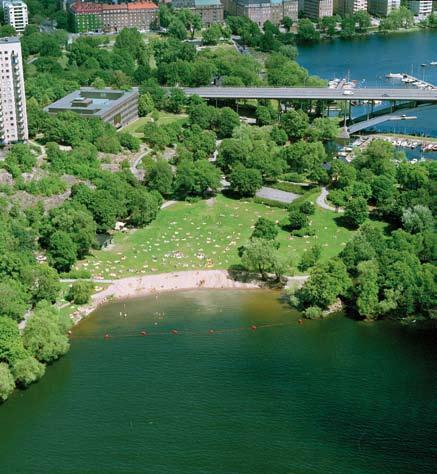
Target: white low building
[16, 14]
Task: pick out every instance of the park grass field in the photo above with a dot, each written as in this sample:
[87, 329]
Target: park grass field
[206, 235]
[137, 126]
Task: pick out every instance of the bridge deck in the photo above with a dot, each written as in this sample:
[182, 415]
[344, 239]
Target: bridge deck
[321, 93]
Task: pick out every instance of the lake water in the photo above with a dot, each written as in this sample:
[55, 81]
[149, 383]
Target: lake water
[333, 396]
[368, 59]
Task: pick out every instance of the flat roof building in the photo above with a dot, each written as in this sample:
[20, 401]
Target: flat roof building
[349, 7]
[259, 11]
[420, 7]
[116, 107]
[383, 7]
[89, 16]
[13, 116]
[210, 11]
[316, 9]
[16, 14]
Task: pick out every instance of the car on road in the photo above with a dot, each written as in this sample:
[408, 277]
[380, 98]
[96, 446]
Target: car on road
[348, 92]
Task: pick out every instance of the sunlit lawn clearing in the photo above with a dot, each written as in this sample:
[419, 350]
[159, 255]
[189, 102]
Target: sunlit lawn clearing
[206, 235]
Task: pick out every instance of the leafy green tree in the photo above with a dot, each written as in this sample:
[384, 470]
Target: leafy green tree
[27, 371]
[313, 312]
[327, 281]
[143, 206]
[62, 251]
[259, 255]
[212, 35]
[278, 135]
[43, 282]
[44, 336]
[295, 123]
[80, 292]
[245, 181]
[196, 179]
[225, 122]
[265, 229]
[417, 219]
[13, 299]
[306, 32]
[328, 24]
[363, 20]
[368, 289]
[160, 177]
[175, 101]
[177, 29]
[129, 141]
[297, 219]
[156, 136]
[323, 129]
[7, 384]
[308, 208]
[202, 115]
[287, 23]
[145, 104]
[11, 344]
[347, 27]
[264, 115]
[356, 211]
[310, 258]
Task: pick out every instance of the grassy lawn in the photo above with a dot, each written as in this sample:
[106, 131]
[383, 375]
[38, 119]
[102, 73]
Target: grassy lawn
[206, 235]
[164, 117]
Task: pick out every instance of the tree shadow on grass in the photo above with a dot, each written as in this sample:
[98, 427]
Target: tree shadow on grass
[239, 273]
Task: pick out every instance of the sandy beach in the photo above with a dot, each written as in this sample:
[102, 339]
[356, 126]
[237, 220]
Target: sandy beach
[151, 284]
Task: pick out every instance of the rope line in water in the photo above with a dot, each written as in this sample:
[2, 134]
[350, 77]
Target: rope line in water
[188, 332]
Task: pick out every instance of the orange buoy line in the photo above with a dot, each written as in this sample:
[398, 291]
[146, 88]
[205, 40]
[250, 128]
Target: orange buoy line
[189, 332]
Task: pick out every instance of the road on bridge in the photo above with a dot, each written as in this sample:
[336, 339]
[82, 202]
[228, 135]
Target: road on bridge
[318, 93]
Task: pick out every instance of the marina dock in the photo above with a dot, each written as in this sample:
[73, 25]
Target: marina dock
[414, 81]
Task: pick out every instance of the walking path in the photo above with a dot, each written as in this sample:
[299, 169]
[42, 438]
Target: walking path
[321, 202]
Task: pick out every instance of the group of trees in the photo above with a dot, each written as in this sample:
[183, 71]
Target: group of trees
[377, 274]
[397, 19]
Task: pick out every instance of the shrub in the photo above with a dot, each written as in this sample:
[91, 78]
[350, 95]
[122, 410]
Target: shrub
[313, 312]
[80, 292]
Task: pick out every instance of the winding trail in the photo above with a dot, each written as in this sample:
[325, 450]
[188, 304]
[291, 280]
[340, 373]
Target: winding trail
[321, 202]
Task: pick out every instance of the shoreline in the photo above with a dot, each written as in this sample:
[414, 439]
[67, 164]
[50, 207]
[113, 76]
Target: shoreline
[133, 287]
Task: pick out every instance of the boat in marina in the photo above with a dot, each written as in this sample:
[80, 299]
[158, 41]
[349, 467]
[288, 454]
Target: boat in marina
[392, 75]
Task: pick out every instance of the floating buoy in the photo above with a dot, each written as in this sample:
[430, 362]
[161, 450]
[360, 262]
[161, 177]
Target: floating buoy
[173, 331]
[300, 321]
[143, 333]
[211, 331]
[253, 327]
[106, 336]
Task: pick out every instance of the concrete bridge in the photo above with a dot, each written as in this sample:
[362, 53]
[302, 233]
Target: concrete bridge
[313, 93]
[400, 99]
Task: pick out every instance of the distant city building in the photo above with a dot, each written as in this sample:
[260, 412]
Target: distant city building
[16, 14]
[260, 11]
[383, 7]
[349, 7]
[420, 7]
[87, 16]
[112, 106]
[211, 11]
[13, 117]
[316, 9]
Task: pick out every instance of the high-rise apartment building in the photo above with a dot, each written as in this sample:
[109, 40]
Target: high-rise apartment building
[16, 14]
[420, 7]
[13, 117]
[349, 7]
[316, 9]
[383, 7]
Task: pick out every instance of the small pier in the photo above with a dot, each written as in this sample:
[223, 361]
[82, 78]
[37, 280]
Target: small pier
[414, 81]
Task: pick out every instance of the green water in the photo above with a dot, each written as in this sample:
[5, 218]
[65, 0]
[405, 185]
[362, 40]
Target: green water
[333, 396]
